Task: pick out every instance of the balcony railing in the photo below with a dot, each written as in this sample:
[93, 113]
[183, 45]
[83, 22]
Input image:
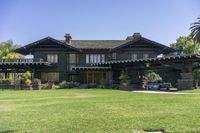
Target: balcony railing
[22, 60]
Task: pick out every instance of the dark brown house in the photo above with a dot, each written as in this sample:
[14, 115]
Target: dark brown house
[89, 61]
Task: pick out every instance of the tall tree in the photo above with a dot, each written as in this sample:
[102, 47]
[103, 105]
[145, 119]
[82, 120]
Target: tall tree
[186, 45]
[6, 50]
[195, 30]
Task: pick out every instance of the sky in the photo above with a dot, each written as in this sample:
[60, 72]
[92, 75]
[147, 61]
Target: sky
[26, 21]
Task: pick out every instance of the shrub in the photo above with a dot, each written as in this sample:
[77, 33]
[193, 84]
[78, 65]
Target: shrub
[48, 85]
[36, 83]
[114, 86]
[92, 85]
[6, 81]
[28, 82]
[103, 84]
[124, 78]
[151, 76]
[67, 85]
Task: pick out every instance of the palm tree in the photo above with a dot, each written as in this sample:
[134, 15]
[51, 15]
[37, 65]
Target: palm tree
[6, 50]
[195, 29]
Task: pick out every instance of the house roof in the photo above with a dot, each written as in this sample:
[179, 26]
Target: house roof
[111, 45]
[97, 44]
[176, 58]
[114, 44]
[25, 49]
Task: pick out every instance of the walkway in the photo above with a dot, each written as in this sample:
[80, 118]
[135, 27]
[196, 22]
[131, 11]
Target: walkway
[162, 92]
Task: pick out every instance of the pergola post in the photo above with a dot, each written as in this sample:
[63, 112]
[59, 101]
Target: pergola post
[187, 80]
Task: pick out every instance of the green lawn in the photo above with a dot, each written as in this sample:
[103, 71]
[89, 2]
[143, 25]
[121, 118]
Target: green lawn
[191, 91]
[97, 111]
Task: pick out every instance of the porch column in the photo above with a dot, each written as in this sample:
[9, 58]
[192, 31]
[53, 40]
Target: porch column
[187, 80]
[110, 77]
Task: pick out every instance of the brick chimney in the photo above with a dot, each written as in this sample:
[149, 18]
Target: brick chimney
[68, 38]
[134, 36]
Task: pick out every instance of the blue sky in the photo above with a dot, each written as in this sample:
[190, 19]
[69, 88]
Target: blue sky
[25, 21]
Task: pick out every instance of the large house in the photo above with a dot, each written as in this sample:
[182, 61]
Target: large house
[89, 61]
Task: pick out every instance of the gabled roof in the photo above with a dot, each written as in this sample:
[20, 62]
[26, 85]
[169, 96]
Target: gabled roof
[134, 41]
[111, 45]
[97, 44]
[24, 49]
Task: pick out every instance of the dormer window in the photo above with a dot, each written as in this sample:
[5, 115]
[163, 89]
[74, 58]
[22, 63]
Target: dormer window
[52, 58]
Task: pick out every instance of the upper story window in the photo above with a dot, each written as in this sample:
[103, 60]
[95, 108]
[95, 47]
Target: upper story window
[52, 58]
[134, 56]
[145, 56]
[95, 58]
[72, 58]
[114, 56]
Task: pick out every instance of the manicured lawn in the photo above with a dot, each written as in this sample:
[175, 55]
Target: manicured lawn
[191, 91]
[97, 111]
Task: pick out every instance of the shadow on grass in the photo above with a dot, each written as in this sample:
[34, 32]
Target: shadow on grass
[155, 130]
[9, 131]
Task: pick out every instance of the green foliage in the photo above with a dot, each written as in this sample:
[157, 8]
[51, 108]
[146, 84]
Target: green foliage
[114, 86]
[26, 78]
[151, 76]
[36, 83]
[196, 73]
[28, 82]
[195, 30]
[67, 85]
[103, 84]
[186, 45]
[124, 78]
[6, 81]
[6, 50]
[48, 85]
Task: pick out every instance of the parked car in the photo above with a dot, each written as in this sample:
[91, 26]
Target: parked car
[158, 86]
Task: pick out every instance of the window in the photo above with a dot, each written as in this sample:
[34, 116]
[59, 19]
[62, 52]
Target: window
[102, 58]
[114, 56]
[72, 58]
[145, 56]
[95, 58]
[52, 58]
[99, 58]
[50, 76]
[134, 56]
[87, 58]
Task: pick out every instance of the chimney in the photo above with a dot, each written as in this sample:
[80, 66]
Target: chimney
[136, 35]
[68, 38]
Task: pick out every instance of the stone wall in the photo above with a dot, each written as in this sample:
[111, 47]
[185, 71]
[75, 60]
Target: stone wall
[187, 81]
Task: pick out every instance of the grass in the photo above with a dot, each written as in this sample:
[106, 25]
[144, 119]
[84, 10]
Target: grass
[191, 90]
[97, 111]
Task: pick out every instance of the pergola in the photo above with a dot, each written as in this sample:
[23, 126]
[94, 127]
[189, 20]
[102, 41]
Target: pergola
[21, 65]
[183, 64]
